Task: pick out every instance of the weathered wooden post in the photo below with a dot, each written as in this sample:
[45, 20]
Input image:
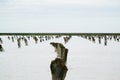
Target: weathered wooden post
[58, 66]
[1, 48]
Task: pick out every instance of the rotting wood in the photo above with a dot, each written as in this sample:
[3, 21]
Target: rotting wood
[58, 66]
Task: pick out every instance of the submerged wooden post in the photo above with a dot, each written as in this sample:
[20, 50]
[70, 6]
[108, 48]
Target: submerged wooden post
[1, 48]
[58, 66]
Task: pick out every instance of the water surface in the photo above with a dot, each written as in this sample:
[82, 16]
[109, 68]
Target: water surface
[87, 60]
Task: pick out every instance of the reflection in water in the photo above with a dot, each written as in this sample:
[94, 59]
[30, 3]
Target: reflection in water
[41, 38]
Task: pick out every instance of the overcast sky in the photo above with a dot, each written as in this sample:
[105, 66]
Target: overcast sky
[59, 15]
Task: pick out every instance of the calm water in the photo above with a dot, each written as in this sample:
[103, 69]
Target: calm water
[87, 60]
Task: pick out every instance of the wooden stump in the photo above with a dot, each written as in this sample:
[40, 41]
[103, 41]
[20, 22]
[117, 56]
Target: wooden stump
[58, 69]
[58, 66]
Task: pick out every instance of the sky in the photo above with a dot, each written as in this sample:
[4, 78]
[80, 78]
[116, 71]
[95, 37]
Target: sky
[60, 16]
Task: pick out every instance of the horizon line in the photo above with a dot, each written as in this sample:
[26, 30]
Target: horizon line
[22, 33]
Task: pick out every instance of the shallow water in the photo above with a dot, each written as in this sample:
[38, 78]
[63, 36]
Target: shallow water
[86, 60]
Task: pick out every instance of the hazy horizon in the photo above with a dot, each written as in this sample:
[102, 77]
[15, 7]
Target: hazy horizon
[59, 16]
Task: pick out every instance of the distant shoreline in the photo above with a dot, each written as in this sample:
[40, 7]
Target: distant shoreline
[73, 34]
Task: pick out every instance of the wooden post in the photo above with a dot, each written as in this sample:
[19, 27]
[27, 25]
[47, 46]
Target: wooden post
[1, 48]
[58, 66]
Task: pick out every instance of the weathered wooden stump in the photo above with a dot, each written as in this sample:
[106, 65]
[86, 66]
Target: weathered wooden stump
[58, 66]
